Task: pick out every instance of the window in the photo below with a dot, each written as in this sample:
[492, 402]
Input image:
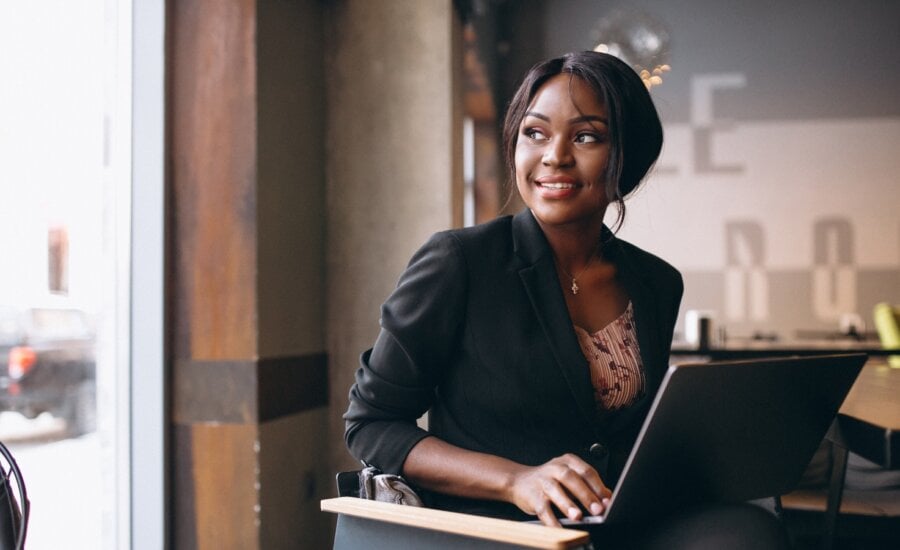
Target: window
[82, 150]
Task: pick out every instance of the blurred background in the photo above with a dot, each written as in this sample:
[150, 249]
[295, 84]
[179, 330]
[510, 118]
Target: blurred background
[203, 204]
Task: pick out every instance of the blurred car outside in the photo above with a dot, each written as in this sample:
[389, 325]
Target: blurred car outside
[48, 364]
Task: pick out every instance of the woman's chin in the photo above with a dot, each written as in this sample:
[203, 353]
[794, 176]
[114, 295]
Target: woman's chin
[558, 215]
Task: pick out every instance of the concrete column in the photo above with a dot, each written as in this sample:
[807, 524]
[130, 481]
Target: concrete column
[393, 74]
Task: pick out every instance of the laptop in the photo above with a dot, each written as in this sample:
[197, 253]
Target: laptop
[729, 431]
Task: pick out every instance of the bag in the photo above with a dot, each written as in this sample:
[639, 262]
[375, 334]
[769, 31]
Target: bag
[374, 485]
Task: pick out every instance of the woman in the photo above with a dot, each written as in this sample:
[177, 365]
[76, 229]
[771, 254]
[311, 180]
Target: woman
[538, 341]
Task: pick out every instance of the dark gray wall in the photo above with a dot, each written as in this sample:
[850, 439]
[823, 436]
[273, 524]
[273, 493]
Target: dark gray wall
[776, 193]
[806, 58]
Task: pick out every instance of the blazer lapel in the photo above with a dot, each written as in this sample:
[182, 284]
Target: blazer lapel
[645, 314]
[542, 286]
[643, 301]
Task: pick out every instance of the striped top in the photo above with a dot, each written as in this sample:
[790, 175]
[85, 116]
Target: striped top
[614, 356]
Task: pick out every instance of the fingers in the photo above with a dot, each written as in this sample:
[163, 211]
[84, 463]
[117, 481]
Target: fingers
[571, 479]
[584, 483]
[560, 498]
[566, 483]
[545, 513]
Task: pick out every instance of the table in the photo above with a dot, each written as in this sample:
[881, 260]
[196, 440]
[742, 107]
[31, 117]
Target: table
[869, 419]
[869, 425]
[385, 526]
[751, 349]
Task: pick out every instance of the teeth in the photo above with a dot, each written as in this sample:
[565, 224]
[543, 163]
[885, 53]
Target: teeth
[557, 185]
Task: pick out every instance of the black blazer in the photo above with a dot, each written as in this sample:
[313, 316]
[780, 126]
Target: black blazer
[477, 331]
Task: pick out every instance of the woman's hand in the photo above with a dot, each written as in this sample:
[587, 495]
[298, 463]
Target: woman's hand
[561, 483]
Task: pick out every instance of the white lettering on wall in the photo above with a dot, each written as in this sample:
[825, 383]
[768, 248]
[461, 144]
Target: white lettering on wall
[746, 284]
[834, 273]
[705, 125]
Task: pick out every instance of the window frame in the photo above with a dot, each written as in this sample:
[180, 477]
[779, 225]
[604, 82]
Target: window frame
[148, 498]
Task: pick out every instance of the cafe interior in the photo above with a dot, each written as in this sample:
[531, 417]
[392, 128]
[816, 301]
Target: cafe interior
[311, 146]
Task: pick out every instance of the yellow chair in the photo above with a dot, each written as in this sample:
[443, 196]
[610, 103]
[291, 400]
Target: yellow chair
[887, 323]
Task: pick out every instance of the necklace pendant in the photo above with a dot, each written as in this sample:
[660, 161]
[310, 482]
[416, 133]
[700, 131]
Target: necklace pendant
[574, 287]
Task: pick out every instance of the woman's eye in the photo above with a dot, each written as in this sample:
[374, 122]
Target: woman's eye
[587, 137]
[534, 134]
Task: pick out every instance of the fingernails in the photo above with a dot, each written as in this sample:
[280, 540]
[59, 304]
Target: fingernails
[596, 509]
[574, 513]
[606, 502]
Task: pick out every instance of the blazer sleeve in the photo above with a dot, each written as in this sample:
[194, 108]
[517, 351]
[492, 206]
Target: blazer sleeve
[396, 380]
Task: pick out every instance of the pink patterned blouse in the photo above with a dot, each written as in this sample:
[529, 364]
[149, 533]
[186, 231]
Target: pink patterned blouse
[614, 356]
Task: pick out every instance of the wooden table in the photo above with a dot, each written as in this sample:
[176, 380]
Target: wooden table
[869, 420]
[869, 425]
[752, 349]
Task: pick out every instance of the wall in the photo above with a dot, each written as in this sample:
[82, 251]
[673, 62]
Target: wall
[776, 192]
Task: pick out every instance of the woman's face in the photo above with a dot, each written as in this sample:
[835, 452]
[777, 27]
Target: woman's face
[561, 153]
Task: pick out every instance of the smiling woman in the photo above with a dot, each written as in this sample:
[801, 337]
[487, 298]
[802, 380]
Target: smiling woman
[626, 116]
[562, 153]
[538, 380]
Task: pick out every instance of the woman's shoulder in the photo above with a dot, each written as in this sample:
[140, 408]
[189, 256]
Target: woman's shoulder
[466, 247]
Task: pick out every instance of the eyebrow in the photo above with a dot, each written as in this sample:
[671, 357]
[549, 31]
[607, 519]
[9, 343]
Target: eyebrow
[583, 118]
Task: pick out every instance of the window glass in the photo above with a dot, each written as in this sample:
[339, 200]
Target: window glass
[64, 145]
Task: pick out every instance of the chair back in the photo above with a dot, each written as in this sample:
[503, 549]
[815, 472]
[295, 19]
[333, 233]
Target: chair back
[14, 505]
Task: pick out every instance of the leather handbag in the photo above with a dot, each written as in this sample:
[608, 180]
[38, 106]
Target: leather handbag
[371, 484]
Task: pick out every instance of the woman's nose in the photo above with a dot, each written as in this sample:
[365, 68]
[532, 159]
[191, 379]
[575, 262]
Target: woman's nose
[557, 153]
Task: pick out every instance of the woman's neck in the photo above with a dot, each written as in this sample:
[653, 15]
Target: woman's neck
[574, 245]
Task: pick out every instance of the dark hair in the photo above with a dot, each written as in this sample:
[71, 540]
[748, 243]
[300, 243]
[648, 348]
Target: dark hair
[634, 128]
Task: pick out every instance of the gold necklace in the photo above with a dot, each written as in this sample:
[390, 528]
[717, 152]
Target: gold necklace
[575, 288]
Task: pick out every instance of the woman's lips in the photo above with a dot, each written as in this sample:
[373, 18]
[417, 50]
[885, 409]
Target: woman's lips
[556, 187]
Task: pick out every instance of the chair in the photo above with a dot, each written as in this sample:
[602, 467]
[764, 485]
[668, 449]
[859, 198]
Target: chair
[378, 525]
[375, 525]
[887, 323]
[14, 508]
